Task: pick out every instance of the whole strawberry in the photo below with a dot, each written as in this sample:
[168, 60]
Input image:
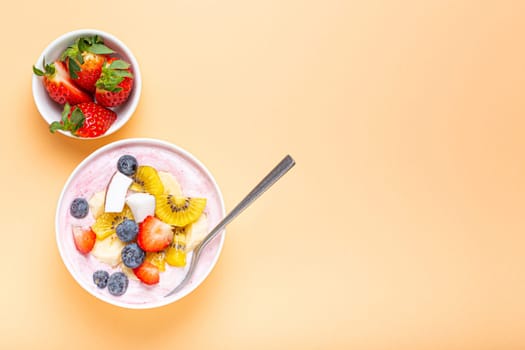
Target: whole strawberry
[85, 120]
[84, 60]
[115, 83]
[59, 85]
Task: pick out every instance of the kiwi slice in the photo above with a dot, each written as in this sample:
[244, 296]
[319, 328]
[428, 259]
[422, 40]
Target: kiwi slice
[157, 259]
[106, 224]
[179, 211]
[146, 179]
[176, 252]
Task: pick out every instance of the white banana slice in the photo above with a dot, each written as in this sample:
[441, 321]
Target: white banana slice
[109, 250]
[129, 272]
[171, 185]
[96, 204]
[196, 232]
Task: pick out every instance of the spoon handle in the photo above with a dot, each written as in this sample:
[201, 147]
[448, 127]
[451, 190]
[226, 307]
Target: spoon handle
[280, 169]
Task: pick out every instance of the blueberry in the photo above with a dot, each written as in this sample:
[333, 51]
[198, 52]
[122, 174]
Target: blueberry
[79, 208]
[127, 165]
[127, 230]
[117, 284]
[132, 255]
[100, 278]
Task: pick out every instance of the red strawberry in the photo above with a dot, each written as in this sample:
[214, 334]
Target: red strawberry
[59, 85]
[147, 273]
[85, 120]
[115, 83]
[85, 59]
[154, 235]
[84, 239]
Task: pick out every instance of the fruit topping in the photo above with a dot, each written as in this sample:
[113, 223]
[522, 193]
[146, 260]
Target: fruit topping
[170, 183]
[127, 230]
[116, 193]
[59, 85]
[141, 205]
[154, 235]
[108, 250]
[96, 204]
[142, 223]
[127, 165]
[157, 259]
[146, 179]
[106, 224]
[196, 232]
[176, 253]
[86, 119]
[132, 255]
[79, 208]
[100, 278]
[115, 83]
[84, 239]
[179, 211]
[147, 273]
[84, 59]
[117, 284]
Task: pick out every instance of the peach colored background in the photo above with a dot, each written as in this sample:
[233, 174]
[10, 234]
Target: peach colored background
[401, 227]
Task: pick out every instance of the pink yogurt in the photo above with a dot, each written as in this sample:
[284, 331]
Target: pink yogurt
[93, 175]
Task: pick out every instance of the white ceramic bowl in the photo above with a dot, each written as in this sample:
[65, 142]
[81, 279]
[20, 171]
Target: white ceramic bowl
[51, 111]
[92, 175]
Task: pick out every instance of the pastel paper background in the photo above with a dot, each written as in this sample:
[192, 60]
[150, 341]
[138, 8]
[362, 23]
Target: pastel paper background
[401, 226]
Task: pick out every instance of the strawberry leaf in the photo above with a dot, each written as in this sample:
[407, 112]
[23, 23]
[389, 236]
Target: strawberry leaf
[74, 68]
[38, 71]
[71, 52]
[100, 49]
[68, 122]
[123, 74]
[77, 119]
[84, 44]
[49, 69]
[119, 64]
[54, 126]
[65, 112]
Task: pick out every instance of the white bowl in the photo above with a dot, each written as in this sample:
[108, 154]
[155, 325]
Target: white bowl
[52, 111]
[92, 175]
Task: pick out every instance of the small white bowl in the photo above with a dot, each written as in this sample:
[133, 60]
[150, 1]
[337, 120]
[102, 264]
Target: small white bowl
[52, 111]
[92, 175]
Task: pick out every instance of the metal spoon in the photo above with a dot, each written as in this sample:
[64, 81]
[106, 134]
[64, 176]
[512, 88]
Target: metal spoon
[280, 169]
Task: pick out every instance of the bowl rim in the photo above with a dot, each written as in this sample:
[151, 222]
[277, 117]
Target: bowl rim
[70, 37]
[157, 143]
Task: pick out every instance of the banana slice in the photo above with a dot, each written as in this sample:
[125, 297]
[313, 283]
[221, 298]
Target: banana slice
[96, 204]
[128, 272]
[196, 232]
[109, 250]
[171, 185]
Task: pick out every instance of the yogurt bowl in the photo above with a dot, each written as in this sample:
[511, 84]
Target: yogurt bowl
[92, 176]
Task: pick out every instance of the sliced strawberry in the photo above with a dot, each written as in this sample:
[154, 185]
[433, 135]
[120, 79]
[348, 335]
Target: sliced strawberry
[85, 59]
[154, 235]
[85, 120]
[59, 85]
[147, 273]
[115, 83]
[84, 239]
